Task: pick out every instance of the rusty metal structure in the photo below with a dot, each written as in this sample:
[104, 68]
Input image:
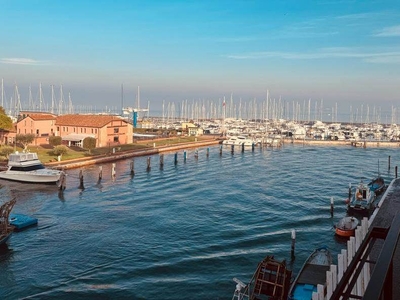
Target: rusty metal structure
[5, 228]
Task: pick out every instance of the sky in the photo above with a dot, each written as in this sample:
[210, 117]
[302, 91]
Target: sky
[342, 51]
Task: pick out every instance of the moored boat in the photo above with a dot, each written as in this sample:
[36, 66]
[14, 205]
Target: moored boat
[239, 141]
[26, 167]
[362, 201]
[377, 185]
[311, 274]
[346, 226]
[271, 280]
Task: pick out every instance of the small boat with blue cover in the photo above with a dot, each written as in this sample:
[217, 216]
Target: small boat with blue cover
[21, 222]
[377, 185]
[311, 274]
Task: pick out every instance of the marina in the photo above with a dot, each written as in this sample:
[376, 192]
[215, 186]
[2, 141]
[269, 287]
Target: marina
[163, 224]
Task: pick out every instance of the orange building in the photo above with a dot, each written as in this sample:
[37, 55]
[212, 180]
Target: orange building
[39, 124]
[108, 130]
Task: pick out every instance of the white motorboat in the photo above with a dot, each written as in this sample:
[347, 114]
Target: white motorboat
[26, 167]
[238, 141]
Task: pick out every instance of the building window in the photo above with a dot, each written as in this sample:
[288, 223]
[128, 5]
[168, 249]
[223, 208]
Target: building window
[37, 132]
[95, 131]
[81, 129]
[85, 130]
[92, 130]
[116, 130]
[58, 129]
[116, 140]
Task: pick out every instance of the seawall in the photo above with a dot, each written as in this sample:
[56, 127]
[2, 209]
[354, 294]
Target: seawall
[85, 161]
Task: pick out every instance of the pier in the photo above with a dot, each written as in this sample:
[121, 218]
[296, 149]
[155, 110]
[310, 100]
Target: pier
[367, 268]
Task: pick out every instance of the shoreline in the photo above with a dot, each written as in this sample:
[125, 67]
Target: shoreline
[81, 162]
[86, 161]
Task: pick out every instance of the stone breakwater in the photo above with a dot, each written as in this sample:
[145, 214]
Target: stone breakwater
[85, 161]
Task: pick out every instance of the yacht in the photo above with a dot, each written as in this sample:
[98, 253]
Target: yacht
[238, 141]
[26, 167]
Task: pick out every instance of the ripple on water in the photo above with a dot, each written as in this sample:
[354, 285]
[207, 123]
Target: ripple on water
[181, 232]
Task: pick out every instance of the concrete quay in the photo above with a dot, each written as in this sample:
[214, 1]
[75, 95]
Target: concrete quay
[360, 144]
[85, 161]
[388, 208]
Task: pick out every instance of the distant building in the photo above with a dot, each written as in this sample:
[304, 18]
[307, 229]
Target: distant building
[191, 129]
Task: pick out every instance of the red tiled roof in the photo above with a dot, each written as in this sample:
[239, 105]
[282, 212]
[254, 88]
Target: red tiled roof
[39, 116]
[86, 120]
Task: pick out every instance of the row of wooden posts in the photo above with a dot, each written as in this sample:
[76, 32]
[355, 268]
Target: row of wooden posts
[62, 184]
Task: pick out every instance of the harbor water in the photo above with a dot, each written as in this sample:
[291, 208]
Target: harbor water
[183, 231]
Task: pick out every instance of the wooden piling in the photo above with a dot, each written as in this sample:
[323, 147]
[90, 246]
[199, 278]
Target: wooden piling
[232, 149]
[395, 172]
[100, 172]
[113, 173]
[148, 164]
[242, 147]
[349, 198]
[208, 152]
[389, 163]
[176, 158]
[161, 161]
[184, 156]
[293, 243]
[63, 181]
[132, 167]
[220, 150]
[196, 154]
[252, 146]
[81, 186]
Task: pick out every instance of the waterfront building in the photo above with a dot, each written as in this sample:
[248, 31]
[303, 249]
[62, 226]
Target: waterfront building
[108, 130]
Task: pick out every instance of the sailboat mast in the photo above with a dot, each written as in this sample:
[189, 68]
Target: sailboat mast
[2, 93]
[122, 98]
[52, 99]
[40, 97]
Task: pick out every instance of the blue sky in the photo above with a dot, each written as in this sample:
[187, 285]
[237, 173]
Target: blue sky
[344, 52]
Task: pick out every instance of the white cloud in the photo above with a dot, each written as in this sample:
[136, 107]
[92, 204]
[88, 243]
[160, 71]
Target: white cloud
[20, 61]
[359, 16]
[324, 53]
[389, 31]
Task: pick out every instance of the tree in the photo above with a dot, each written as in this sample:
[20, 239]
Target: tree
[55, 140]
[89, 143]
[25, 139]
[60, 150]
[5, 122]
[6, 151]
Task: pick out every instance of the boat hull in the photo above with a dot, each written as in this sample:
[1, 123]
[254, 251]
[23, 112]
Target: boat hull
[346, 226]
[26, 177]
[311, 274]
[4, 239]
